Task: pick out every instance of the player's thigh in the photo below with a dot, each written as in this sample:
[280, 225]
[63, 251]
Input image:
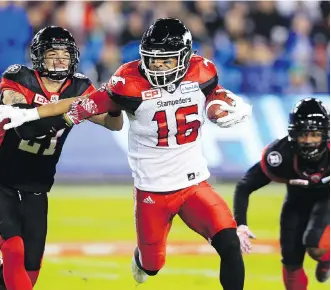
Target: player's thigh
[316, 234]
[206, 212]
[35, 211]
[153, 222]
[10, 216]
[293, 222]
[152, 217]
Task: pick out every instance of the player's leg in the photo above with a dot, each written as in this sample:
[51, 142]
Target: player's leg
[11, 243]
[293, 222]
[317, 238]
[153, 222]
[205, 212]
[34, 231]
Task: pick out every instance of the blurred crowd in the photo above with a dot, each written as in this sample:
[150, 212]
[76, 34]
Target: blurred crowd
[258, 47]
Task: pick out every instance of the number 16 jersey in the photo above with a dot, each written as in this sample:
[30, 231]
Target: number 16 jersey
[165, 151]
[30, 165]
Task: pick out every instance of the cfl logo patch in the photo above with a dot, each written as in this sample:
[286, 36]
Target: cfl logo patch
[274, 159]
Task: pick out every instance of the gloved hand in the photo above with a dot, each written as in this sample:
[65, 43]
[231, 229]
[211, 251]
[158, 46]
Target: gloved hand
[81, 109]
[238, 113]
[244, 235]
[17, 116]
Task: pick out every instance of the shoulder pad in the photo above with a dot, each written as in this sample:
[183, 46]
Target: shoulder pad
[127, 81]
[80, 76]
[277, 160]
[201, 70]
[13, 69]
[16, 72]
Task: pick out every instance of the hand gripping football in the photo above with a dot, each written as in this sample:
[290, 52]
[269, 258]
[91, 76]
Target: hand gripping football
[216, 105]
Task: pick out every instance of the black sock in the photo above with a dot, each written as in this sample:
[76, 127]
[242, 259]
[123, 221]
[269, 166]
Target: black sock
[232, 268]
[232, 272]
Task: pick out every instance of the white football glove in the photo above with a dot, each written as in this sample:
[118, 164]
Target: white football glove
[17, 116]
[244, 235]
[238, 113]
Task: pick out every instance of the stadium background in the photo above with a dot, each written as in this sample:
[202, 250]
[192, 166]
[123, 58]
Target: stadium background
[272, 53]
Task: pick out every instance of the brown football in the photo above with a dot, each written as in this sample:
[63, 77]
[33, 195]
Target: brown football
[215, 111]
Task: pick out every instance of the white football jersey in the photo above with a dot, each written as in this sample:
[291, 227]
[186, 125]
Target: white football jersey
[165, 151]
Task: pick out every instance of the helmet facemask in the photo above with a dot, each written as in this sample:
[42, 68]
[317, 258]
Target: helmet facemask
[159, 78]
[312, 150]
[38, 59]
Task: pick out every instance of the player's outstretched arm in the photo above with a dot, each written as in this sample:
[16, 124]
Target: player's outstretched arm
[78, 109]
[36, 128]
[253, 180]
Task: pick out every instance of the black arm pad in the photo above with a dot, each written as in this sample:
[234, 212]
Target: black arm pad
[253, 180]
[40, 127]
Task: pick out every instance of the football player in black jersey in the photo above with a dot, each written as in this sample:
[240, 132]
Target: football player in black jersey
[29, 154]
[301, 160]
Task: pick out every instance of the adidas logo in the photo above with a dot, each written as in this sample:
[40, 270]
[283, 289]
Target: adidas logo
[148, 200]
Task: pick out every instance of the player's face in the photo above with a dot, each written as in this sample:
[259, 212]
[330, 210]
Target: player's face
[310, 137]
[162, 64]
[57, 59]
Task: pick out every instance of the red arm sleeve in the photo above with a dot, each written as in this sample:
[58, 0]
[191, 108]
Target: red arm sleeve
[103, 101]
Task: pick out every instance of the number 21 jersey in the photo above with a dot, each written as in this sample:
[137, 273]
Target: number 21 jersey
[30, 165]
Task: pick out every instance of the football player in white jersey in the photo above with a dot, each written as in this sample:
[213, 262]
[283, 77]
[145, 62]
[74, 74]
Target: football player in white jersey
[164, 95]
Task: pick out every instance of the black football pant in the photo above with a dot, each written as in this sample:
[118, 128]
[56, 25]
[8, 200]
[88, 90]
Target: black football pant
[24, 214]
[305, 216]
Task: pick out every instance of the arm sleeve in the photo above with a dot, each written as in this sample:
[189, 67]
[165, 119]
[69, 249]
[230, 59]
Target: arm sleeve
[253, 180]
[103, 101]
[39, 127]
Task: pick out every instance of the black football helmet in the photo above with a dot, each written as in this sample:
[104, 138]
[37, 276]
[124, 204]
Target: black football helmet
[166, 38]
[57, 38]
[309, 115]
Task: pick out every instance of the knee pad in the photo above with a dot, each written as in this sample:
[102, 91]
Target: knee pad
[226, 242]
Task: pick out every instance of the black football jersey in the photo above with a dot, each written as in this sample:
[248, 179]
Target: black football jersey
[30, 165]
[280, 163]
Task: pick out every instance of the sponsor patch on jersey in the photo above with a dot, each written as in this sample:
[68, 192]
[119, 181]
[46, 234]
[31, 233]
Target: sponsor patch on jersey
[191, 87]
[54, 98]
[151, 94]
[115, 79]
[80, 76]
[274, 158]
[40, 99]
[13, 69]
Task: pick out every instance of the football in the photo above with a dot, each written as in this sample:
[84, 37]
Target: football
[213, 106]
